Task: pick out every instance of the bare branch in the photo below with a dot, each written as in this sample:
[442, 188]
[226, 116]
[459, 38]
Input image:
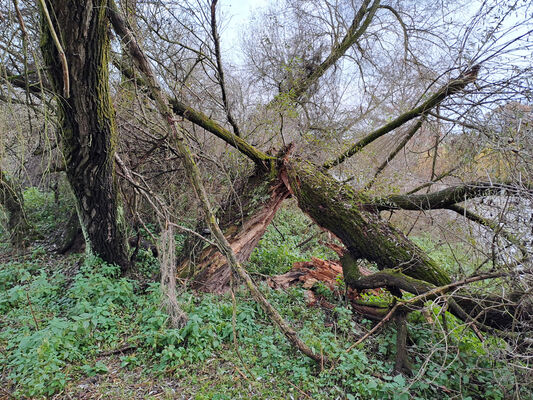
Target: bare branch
[220, 69]
[62, 57]
[449, 89]
[354, 33]
[398, 148]
[447, 197]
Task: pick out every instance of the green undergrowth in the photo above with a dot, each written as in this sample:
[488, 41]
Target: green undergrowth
[72, 327]
[48, 212]
[59, 323]
[289, 238]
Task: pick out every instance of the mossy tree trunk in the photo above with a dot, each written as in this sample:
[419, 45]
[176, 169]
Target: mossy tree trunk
[344, 212]
[354, 219]
[88, 131]
[11, 199]
[333, 206]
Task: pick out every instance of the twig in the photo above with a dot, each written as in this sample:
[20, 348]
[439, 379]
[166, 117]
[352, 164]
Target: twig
[297, 388]
[375, 328]
[8, 393]
[124, 349]
[62, 57]
[32, 313]
[277, 230]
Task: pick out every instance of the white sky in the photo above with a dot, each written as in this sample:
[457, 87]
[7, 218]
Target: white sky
[236, 14]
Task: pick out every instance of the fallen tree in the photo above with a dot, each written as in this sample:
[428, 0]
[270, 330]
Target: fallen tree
[352, 216]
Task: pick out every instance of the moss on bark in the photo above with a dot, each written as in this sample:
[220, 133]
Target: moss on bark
[343, 211]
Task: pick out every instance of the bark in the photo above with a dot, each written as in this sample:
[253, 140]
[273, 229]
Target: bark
[243, 222]
[341, 210]
[11, 199]
[88, 131]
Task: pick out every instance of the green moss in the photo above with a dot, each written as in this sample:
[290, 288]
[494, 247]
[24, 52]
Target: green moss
[350, 269]
[343, 211]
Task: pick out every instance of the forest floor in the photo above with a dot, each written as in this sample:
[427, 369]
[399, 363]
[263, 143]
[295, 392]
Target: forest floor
[72, 328]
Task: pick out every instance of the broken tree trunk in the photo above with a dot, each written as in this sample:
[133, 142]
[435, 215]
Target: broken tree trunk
[341, 210]
[244, 223]
[346, 213]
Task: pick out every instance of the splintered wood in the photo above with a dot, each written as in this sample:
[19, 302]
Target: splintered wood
[329, 273]
[308, 273]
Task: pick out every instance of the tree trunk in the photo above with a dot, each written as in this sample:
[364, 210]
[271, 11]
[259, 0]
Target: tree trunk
[331, 205]
[341, 210]
[346, 213]
[88, 131]
[11, 199]
[244, 222]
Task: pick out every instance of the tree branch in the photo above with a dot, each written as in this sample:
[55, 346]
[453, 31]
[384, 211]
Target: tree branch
[60, 52]
[449, 89]
[198, 118]
[427, 293]
[220, 69]
[355, 31]
[393, 154]
[447, 197]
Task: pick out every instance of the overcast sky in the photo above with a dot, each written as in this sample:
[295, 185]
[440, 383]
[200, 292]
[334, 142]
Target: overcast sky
[236, 14]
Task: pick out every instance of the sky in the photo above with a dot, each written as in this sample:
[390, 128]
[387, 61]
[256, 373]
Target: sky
[236, 14]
